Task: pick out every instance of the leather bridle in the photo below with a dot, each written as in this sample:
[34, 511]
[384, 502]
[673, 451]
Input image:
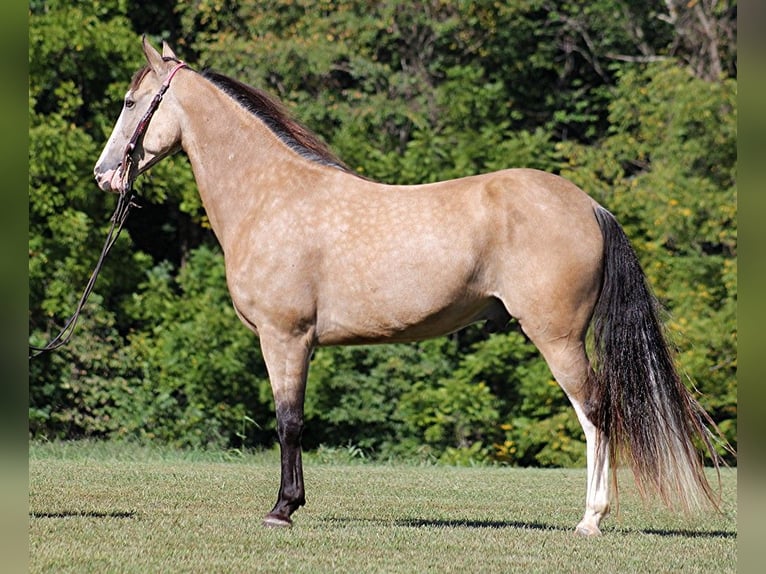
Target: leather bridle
[124, 203]
[143, 124]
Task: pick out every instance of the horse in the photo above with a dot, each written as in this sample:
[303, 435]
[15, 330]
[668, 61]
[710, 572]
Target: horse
[317, 255]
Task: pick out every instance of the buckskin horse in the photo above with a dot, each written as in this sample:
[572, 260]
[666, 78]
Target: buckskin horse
[317, 255]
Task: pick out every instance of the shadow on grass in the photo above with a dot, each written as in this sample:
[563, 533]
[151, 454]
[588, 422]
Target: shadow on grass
[490, 524]
[85, 514]
[438, 523]
[686, 533]
[523, 525]
[541, 526]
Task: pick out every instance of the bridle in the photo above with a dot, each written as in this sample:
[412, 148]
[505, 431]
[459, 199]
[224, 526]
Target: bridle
[143, 124]
[124, 203]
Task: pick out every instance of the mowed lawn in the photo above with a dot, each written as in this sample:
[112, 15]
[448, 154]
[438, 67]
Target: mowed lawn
[97, 507]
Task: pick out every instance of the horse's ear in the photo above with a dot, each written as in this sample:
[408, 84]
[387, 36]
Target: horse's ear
[153, 57]
[167, 52]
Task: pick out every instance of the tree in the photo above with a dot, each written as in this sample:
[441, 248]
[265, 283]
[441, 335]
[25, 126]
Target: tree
[668, 171]
[67, 217]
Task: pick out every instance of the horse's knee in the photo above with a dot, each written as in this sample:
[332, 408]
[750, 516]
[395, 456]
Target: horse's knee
[289, 424]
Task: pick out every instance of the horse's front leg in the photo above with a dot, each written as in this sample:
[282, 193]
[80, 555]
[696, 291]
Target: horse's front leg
[287, 362]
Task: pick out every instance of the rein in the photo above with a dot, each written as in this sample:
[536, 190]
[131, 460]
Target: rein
[124, 203]
[121, 211]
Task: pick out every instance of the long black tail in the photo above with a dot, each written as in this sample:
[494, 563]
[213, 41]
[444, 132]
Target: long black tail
[650, 418]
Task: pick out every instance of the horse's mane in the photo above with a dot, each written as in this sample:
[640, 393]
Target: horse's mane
[138, 76]
[273, 113]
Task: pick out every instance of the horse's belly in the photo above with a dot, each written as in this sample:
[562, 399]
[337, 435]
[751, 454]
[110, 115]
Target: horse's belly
[381, 320]
[413, 286]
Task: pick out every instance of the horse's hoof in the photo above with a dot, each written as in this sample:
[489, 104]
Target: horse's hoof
[587, 530]
[272, 521]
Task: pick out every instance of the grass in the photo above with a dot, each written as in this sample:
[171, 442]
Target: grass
[98, 507]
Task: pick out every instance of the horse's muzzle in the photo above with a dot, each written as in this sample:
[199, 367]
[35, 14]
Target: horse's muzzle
[110, 180]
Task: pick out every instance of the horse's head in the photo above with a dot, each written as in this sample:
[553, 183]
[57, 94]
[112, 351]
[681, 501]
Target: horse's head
[141, 138]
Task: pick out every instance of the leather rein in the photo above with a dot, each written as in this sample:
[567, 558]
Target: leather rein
[125, 202]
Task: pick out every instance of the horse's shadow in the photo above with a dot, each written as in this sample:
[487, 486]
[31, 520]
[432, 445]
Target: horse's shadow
[428, 522]
[525, 525]
[489, 524]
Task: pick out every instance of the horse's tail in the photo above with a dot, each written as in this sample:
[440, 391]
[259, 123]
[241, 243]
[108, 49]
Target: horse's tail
[649, 418]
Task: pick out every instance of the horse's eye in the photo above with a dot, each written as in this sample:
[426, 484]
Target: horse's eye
[129, 103]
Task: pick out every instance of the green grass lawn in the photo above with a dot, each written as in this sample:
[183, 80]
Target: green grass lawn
[97, 507]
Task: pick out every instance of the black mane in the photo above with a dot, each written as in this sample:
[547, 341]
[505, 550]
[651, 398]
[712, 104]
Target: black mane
[277, 119]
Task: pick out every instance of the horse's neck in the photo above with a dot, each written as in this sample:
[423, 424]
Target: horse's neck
[238, 162]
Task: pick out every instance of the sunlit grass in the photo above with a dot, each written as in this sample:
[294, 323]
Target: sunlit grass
[98, 507]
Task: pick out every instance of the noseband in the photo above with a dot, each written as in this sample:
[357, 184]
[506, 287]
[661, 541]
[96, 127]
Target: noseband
[127, 158]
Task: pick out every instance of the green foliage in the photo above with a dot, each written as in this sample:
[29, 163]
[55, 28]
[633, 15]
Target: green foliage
[447, 416]
[84, 389]
[667, 169]
[553, 441]
[200, 371]
[77, 51]
[357, 392]
[405, 93]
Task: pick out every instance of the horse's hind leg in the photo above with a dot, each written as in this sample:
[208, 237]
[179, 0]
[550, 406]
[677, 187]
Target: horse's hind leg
[567, 360]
